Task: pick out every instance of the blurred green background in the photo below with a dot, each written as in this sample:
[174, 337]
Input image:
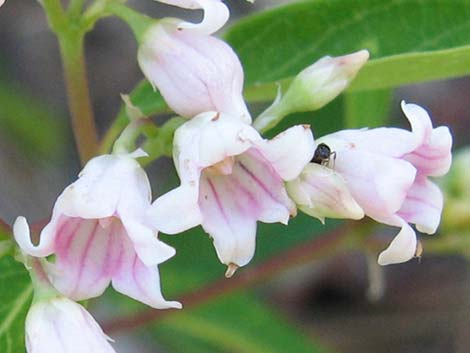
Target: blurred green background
[336, 301]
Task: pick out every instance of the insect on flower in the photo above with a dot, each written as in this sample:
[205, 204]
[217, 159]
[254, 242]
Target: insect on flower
[323, 155]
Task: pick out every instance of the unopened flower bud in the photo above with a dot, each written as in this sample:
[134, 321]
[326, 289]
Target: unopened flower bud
[194, 72]
[321, 192]
[323, 81]
[314, 87]
[59, 325]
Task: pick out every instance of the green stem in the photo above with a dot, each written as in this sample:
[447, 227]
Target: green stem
[55, 15]
[70, 36]
[126, 141]
[43, 288]
[268, 119]
[75, 8]
[83, 123]
[136, 21]
[112, 134]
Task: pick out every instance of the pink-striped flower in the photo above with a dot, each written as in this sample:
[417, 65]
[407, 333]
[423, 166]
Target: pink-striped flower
[387, 170]
[59, 325]
[98, 234]
[230, 179]
[194, 71]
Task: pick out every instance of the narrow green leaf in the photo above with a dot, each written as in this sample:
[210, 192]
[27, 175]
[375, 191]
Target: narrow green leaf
[410, 68]
[279, 43]
[237, 323]
[367, 108]
[390, 72]
[147, 99]
[15, 297]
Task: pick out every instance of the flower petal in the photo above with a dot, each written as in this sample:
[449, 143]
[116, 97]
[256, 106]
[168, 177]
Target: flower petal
[59, 325]
[423, 205]
[97, 192]
[216, 14]
[434, 156]
[289, 151]
[138, 281]
[378, 183]
[148, 247]
[227, 221]
[321, 192]
[231, 205]
[194, 73]
[22, 236]
[255, 176]
[419, 119]
[165, 213]
[208, 139]
[391, 142]
[403, 246]
[87, 253]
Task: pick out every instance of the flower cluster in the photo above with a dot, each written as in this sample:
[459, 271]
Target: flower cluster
[104, 226]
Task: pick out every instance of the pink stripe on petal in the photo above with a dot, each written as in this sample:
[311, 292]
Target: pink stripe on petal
[138, 281]
[423, 205]
[243, 196]
[217, 200]
[266, 186]
[232, 204]
[257, 180]
[113, 240]
[80, 268]
[84, 255]
[66, 234]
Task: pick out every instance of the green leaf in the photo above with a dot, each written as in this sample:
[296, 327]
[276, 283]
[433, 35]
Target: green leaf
[143, 96]
[15, 297]
[367, 108]
[147, 99]
[236, 323]
[411, 68]
[279, 43]
[389, 72]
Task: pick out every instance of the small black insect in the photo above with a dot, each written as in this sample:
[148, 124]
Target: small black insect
[323, 154]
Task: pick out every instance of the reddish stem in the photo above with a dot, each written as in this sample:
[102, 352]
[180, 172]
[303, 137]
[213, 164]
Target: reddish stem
[279, 263]
[4, 226]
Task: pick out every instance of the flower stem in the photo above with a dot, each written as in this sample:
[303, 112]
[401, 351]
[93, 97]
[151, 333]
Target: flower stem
[43, 288]
[75, 8]
[83, 123]
[268, 119]
[113, 132]
[55, 15]
[70, 35]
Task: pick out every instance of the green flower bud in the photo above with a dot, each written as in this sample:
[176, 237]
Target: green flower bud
[314, 87]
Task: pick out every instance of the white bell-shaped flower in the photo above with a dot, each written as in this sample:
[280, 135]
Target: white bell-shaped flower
[99, 234]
